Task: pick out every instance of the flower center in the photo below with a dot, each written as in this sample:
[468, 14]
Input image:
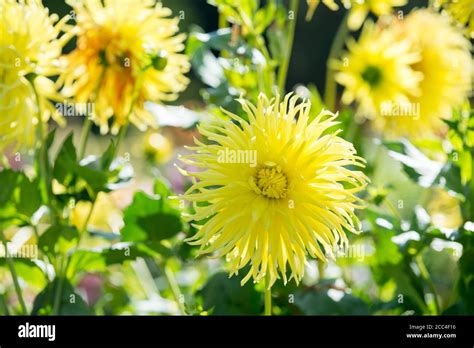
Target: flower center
[372, 75]
[270, 181]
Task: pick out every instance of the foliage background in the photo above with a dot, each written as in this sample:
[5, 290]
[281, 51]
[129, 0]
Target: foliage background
[397, 276]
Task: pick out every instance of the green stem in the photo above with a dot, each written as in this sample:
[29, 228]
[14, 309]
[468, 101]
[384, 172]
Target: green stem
[44, 160]
[4, 304]
[59, 289]
[392, 208]
[120, 137]
[45, 257]
[173, 284]
[471, 193]
[283, 72]
[321, 269]
[86, 129]
[266, 74]
[426, 276]
[268, 296]
[16, 284]
[65, 270]
[334, 53]
[222, 21]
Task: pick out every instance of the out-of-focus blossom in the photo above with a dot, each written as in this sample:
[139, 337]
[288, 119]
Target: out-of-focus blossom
[313, 4]
[377, 70]
[403, 79]
[359, 10]
[29, 52]
[158, 148]
[461, 11]
[106, 216]
[444, 210]
[446, 66]
[128, 52]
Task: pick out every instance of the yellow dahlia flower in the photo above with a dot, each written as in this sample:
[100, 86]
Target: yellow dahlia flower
[313, 4]
[29, 50]
[377, 70]
[274, 189]
[106, 216]
[444, 209]
[424, 78]
[446, 67]
[127, 53]
[462, 11]
[359, 10]
[158, 148]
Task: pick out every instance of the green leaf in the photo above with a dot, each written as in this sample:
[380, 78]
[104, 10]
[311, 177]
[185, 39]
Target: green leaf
[86, 261]
[204, 62]
[66, 162]
[450, 177]
[98, 259]
[119, 253]
[466, 281]
[318, 302]
[408, 284]
[277, 42]
[415, 163]
[70, 303]
[30, 196]
[29, 271]
[108, 156]
[96, 179]
[386, 251]
[8, 180]
[50, 138]
[58, 239]
[18, 193]
[264, 17]
[151, 218]
[94, 173]
[465, 163]
[225, 296]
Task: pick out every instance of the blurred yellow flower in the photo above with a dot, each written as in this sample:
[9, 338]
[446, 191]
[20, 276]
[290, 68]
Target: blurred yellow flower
[106, 216]
[158, 147]
[127, 53]
[359, 10]
[462, 11]
[446, 66]
[313, 4]
[377, 70]
[444, 210]
[29, 51]
[271, 190]
[403, 79]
